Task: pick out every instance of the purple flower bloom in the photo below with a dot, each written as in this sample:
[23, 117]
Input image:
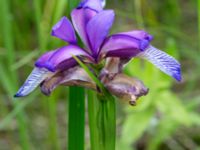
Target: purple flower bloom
[92, 24]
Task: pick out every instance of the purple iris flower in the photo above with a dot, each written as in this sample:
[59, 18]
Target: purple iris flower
[92, 24]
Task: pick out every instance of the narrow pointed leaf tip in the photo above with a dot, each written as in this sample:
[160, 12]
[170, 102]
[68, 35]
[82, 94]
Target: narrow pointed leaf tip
[163, 61]
[34, 79]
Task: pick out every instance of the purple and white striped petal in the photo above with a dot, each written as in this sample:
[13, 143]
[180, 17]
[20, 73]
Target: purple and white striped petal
[37, 76]
[96, 5]
[80, 18]
[64, 30]
[62, 58]
[98, 28]
[163, 61]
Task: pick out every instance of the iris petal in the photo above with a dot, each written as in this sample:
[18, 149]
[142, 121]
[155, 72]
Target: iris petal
[138, 34]
[96, 5]
[43, 59]
[64, 30]
[34, 79]
[62, 58]
[75, 76]
[80, 18]
[163, 61]
[126, 44]
[123, 46]
[98, 28]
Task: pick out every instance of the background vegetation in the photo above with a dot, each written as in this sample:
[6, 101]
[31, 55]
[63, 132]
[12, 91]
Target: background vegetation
[167, 118]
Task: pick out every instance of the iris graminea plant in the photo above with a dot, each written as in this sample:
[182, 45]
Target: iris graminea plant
[105, 55]
[92, 23]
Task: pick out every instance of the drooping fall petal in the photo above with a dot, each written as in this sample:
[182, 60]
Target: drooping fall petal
[64, 30]
[75, 76]
[34, 79]
[98, 28]
[163, 61]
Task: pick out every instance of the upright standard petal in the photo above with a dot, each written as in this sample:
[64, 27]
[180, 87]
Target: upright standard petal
[64, 30]
[98, 28]
[34, 79]
[163, 61]
[96, 5]
[123, 46]
[62, 58]
[80, 18]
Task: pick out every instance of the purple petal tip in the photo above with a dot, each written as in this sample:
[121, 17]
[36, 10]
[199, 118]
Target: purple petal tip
[50, 67]
[46, 65]
[144, 44]
[57, 25]
[149, 38]
[63, 29]
[178, 76]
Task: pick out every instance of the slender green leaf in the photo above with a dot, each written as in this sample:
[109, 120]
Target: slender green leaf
[76, 119]
[92, 76]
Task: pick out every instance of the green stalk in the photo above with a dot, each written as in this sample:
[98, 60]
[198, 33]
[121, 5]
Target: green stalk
[76, 114]
[76, 119]
[101, 109]
[102, 121]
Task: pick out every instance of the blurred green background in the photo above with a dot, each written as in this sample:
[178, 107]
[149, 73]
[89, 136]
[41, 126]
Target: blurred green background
[166, 119]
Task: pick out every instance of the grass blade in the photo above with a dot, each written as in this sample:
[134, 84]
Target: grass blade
[76, 119]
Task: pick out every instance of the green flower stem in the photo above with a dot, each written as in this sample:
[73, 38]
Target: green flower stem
[102, 121]
[76, 119]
